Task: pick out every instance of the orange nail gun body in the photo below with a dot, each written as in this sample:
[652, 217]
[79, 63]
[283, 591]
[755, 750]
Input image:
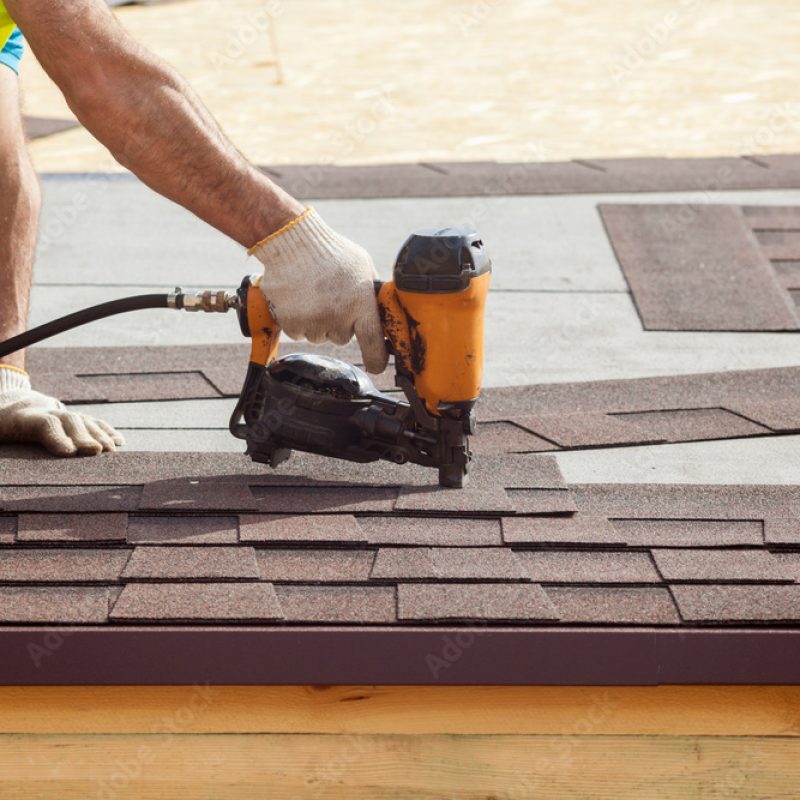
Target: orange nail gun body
[432, 314]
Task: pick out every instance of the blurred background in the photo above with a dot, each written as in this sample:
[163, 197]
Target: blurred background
[364, 81]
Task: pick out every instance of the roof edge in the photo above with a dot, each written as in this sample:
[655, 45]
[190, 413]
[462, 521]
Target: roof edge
[37, 656]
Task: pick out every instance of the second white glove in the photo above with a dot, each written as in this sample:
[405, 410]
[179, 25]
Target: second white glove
[321, 287]
[33, 417]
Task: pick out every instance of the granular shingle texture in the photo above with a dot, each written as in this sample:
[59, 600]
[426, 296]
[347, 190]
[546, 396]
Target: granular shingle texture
[565, 416]
[167, 602]
[72, 527]
[298, 528]
[614, 605]
[699, 267]
[338, 604]
[715, 603]
[756, 566]
[326, 569]
[191, 563]
[315, 566]
[182, 530]
[575, 566]
[472, 602]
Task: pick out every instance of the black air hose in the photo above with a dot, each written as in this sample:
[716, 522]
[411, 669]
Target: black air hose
[135, 303]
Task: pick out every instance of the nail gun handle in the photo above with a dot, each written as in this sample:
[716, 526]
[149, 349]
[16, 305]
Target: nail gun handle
[257, 321]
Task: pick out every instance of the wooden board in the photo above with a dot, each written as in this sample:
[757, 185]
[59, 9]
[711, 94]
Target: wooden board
[281, 767]
[540, 710]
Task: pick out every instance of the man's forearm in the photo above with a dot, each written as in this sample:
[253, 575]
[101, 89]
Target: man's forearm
[157, 127]
[150, 119]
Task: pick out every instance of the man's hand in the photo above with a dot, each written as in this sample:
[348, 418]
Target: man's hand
[320, 285]
[28, 416]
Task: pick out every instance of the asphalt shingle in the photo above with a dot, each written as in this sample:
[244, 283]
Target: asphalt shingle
[191, 563]
[8, 529]
[447, 563]
[62, 565]
[72, 527]
[315, 566]
[299, 528]
[435, 531]
[54, 604]
[338, 604]
[727, 603]
[578, 529]
[719, 565]
[614, 605]
[188, 529]
[575, 566]
[182, 602]
[477, 602]
[689, 532]
[542, 501]
[587, 430]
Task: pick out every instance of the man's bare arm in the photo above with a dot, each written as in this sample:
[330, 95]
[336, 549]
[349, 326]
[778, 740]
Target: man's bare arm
[150, 119]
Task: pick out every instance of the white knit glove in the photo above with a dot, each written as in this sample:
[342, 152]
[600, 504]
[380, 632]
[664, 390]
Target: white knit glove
[28, 416]
[320, 286]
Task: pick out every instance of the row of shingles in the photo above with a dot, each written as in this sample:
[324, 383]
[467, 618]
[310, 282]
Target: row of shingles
[777, 229]
[731, 554]
[187, 372]
[347, 593]
[461, 571]
[44, 581]
[643, 410]
[534, 483]
[187, 568]
[522, 419]
[453, 179]
[697, 268]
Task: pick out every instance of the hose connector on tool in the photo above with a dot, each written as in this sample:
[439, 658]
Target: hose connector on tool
[207, 300]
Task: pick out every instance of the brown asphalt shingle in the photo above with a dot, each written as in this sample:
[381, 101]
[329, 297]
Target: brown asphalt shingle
[338, 604]
[614, 605]
[718, 566]
[72, 527]
[542, 501]
[54, 604]
[698, 267]
[692, 424]
[587, 430]
[782, 529]
[435, 531]
[315, 566]
[323, 499]
[479, 602]
[61, 565]
[447, 563]
[191, 563]
[688, 532]
[68, 499]
[175, 529]
[177, 602]
[8, 529]
[299, 528]
[577, 529]
[575, 566]
[716, 604]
